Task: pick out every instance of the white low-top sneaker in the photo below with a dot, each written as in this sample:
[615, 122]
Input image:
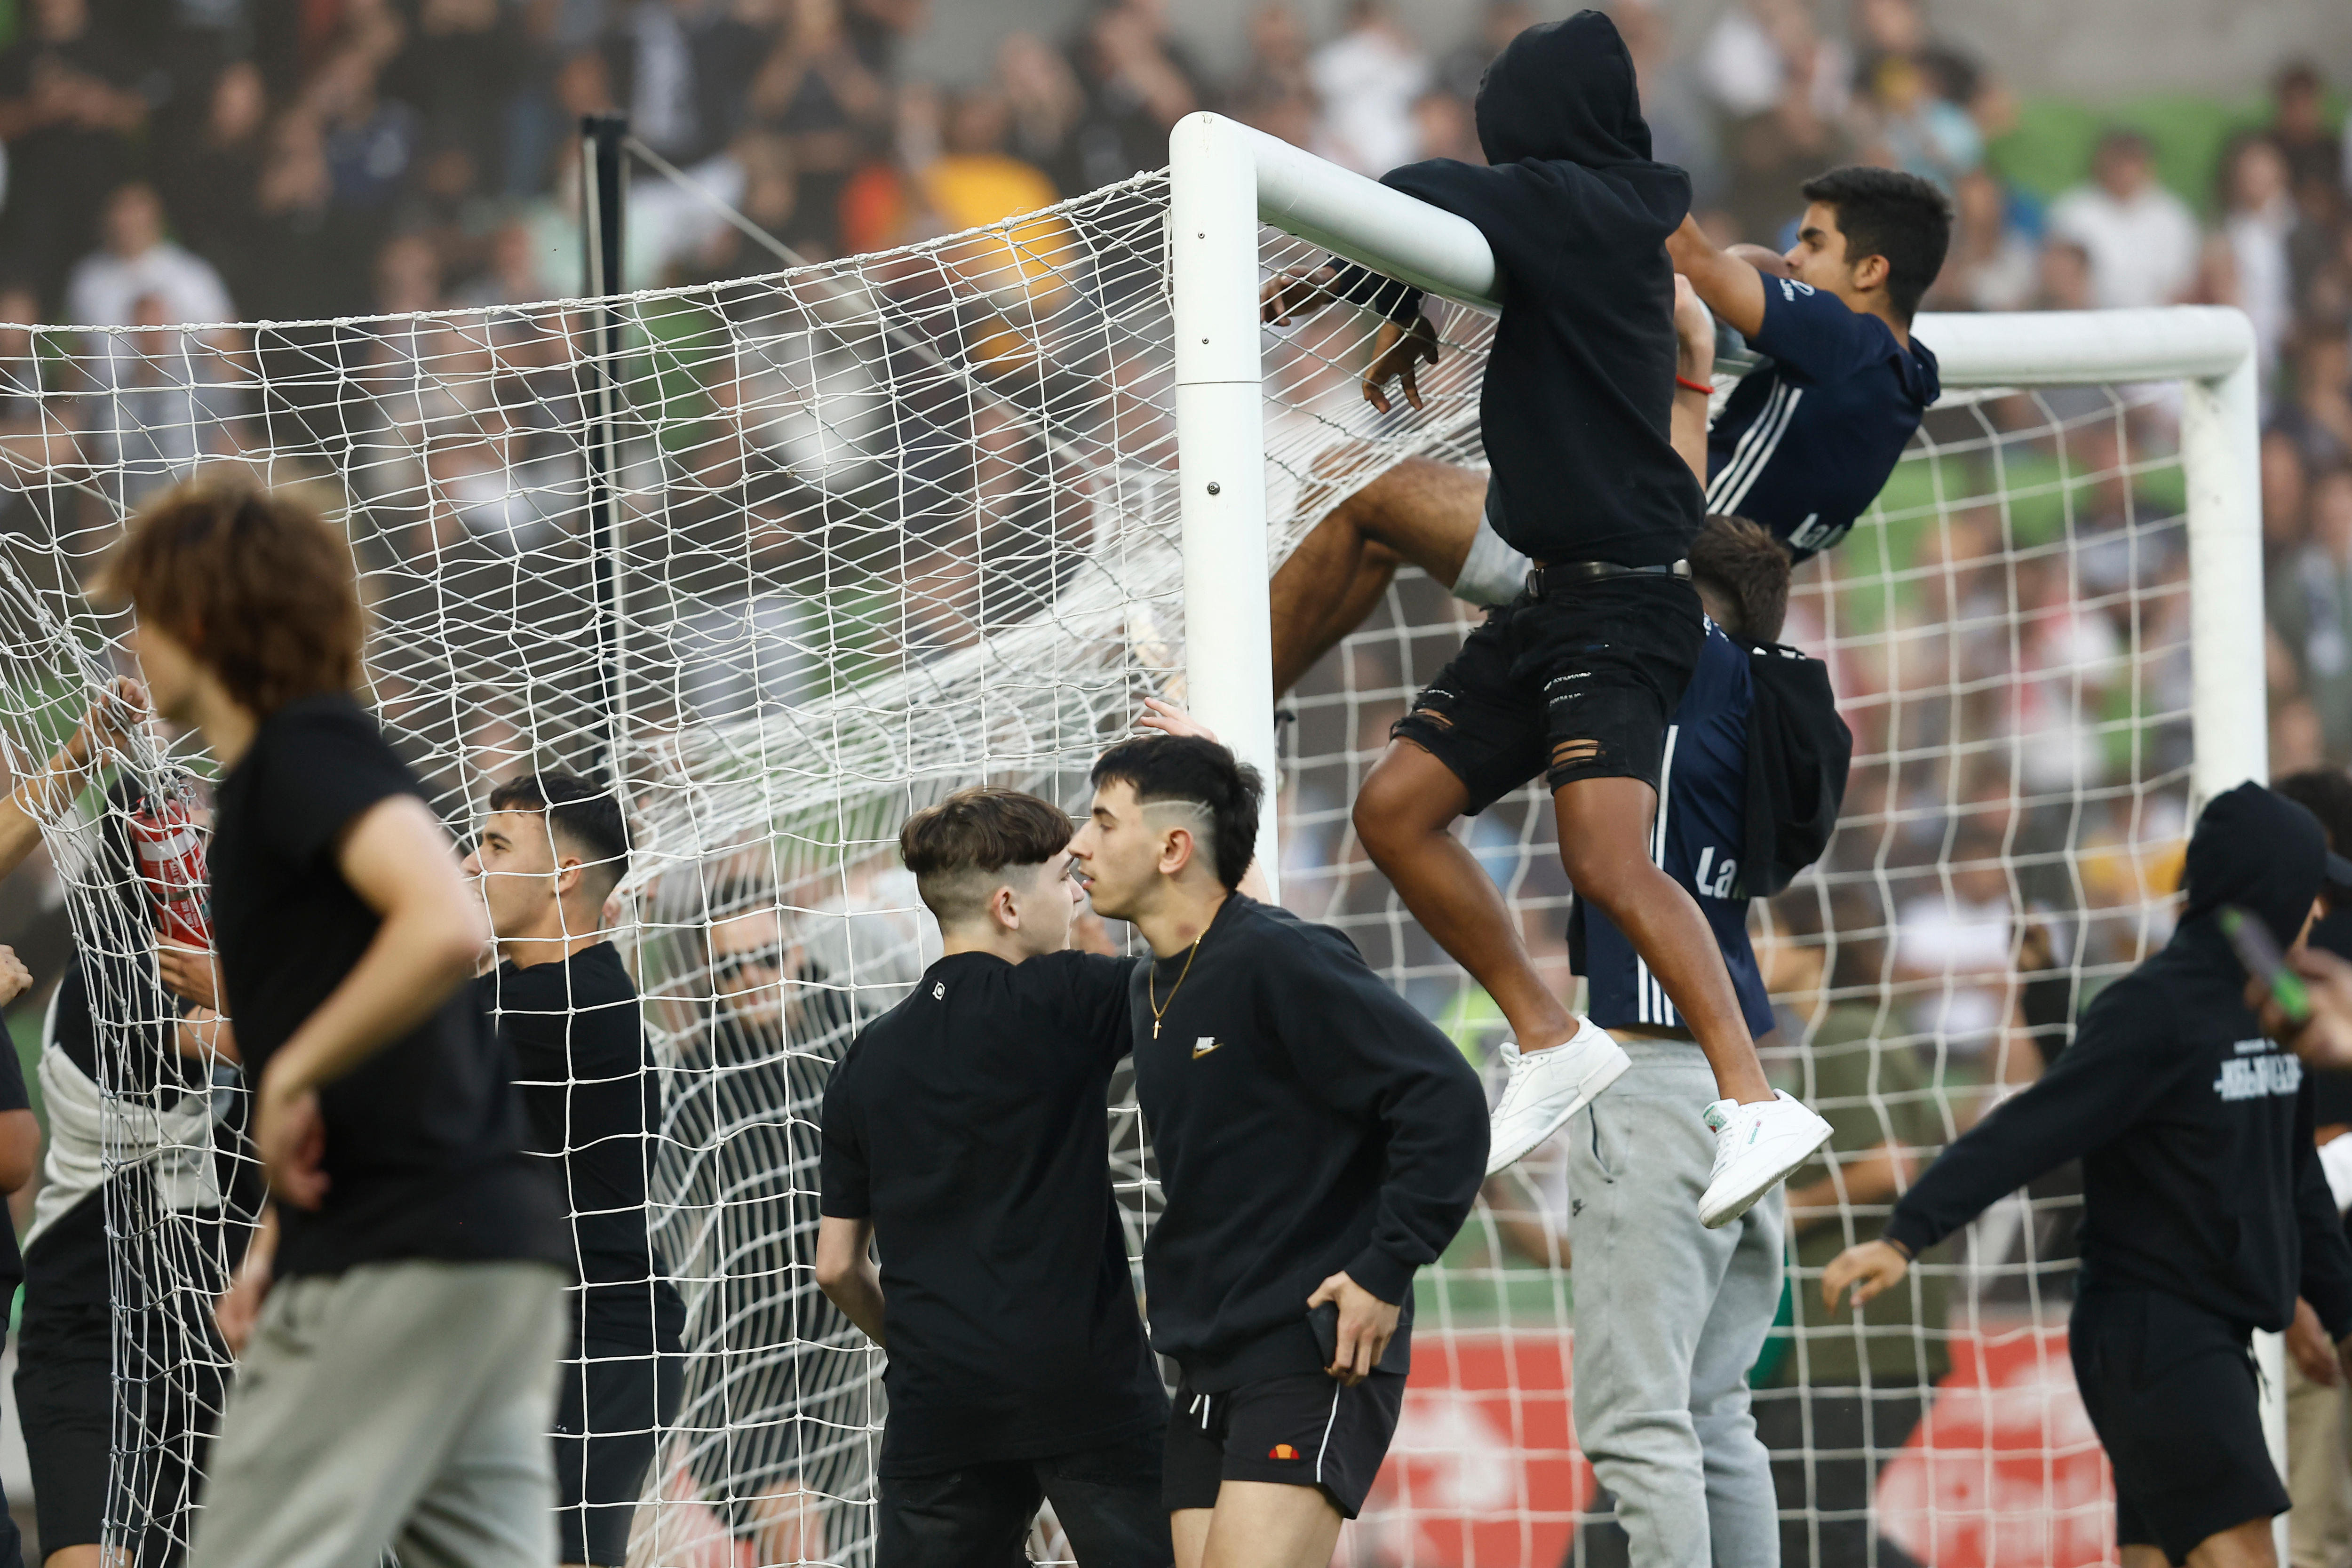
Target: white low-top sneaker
[1756, 1147]
[1546, 1087]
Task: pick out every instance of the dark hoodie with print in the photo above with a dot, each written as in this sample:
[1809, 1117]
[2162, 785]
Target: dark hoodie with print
[2199, 1175]
[1581, 380]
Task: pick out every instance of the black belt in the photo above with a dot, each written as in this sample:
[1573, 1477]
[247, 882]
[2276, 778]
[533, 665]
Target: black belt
[1561, 574]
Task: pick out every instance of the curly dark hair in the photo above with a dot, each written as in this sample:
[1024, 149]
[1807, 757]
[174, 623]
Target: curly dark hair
[1749, 571]
[255, 581]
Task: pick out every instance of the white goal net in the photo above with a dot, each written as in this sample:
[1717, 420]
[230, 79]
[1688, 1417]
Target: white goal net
[891, 526]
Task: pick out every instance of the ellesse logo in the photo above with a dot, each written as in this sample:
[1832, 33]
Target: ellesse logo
[1282, 1451]
[1204, 1045]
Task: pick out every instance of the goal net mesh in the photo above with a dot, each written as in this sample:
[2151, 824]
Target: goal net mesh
[891, 526]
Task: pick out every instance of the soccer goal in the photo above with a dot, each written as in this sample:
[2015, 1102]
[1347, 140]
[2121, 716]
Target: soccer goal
[788, 556]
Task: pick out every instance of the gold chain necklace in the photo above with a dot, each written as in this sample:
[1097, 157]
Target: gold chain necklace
[1151, 976]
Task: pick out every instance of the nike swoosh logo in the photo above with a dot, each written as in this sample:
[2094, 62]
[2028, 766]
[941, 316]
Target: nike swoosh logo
[1203, 1046]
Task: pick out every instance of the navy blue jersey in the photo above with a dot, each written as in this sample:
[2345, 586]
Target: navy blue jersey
[1698, 839]
[1806, 441]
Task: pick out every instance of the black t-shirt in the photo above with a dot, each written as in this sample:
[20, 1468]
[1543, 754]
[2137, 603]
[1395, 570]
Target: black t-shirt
[423, 1139]
[969, 1123]
[592, 1099]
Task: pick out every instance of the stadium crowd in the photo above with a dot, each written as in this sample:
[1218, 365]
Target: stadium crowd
[260, 159]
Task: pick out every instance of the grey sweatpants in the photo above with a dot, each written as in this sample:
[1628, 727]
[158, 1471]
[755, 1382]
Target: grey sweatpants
[1669, 1317]
[402, 1404]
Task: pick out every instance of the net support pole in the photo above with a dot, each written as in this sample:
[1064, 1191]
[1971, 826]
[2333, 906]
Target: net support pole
[1221, 449]
[2220, 457]
[603, 211]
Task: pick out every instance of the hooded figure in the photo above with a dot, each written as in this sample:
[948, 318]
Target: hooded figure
[1581, 381]
[2205, 1211]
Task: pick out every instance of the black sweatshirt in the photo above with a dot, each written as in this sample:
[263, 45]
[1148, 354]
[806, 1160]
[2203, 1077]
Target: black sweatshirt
[1306, 1121]
[1580, 389]
[2199, 1175]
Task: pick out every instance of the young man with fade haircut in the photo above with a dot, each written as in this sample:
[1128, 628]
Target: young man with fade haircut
[2205, 1212]
[552, 849]
[1318, 1142]
[967, 1139]
[1670, 1315]
[1803, 445]
[399, 1315]
[1574, 679]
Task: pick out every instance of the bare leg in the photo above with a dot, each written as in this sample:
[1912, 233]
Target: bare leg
[1401, 814]
[1258, 1524]
[1604, 834]
[1422, 512]
[2247, 1545]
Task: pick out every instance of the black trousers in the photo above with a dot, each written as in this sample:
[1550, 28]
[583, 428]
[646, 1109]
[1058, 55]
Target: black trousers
[1107, 1498]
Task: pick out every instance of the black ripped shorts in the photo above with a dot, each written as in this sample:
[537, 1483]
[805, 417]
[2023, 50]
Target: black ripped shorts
[1575, 684]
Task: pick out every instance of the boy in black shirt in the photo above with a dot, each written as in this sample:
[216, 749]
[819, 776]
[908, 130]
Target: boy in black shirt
[966, 1133]
[400, 1313]
[1575, 677]
[2204, 1209]
[550, 852]
[1318, 1142]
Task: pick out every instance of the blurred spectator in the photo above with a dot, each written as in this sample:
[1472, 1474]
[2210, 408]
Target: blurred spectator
[2299, 126]
[2284, 490]
[828, 101]
[1446, 127]
[1993, 264]
[460, 67]
[1138, 82]
[2319, 417]
[1043, 103]
[1923, 126]
[2063, 277]
[1761, 51]
[370, 141]
[70, 110]
[209, 177]
[2257, 217]
[1276, 70]
[408, 276]
[2311, 607]
[2141, 238]
[1464, 66]
[137, 262]
[1367, 79]
[1682, 126]
[975, 180]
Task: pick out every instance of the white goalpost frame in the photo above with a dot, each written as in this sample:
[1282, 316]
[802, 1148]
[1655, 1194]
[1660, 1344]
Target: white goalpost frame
[1227, 178]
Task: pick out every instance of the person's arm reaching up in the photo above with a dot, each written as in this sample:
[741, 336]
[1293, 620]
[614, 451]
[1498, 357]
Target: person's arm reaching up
[43, 796]
[1733, 289]
[400, 862]
[845, 1271]
[2120, 1063]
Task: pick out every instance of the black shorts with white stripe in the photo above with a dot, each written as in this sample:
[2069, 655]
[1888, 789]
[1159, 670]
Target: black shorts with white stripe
[1304, 1430]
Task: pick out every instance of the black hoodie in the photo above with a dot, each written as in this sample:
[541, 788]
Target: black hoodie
[2198, 1174]
[1581, 381]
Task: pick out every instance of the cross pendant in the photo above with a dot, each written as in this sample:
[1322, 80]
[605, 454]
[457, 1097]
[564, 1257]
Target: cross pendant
[1155, 1028]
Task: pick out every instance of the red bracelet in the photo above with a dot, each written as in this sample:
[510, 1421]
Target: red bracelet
[1687, 385]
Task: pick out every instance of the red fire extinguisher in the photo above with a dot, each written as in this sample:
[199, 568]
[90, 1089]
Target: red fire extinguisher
[172, 863]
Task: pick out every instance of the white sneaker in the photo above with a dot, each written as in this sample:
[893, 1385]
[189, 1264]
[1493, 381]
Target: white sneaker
[1546, 1087]
[1756, 1147]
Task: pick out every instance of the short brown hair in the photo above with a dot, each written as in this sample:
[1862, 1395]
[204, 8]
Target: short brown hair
[254, 581]
[956, 848]
[1748, 569]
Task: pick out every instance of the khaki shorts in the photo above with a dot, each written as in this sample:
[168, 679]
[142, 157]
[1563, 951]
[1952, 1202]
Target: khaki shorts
[401, 1405]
